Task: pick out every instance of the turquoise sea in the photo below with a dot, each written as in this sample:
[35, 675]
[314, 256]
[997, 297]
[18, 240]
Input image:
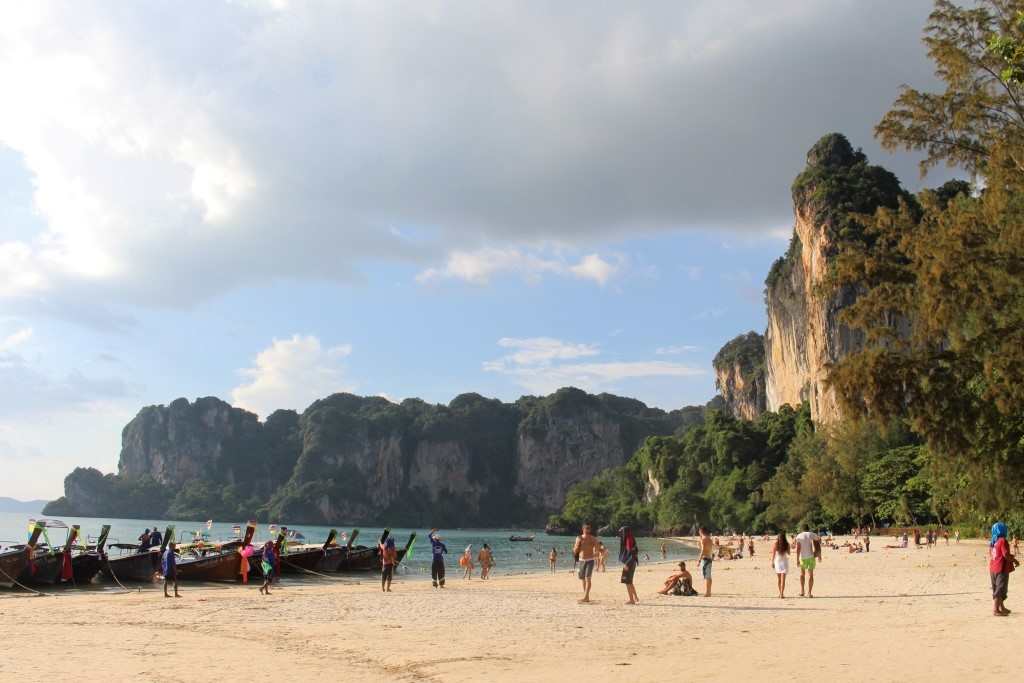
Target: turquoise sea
[510, 557]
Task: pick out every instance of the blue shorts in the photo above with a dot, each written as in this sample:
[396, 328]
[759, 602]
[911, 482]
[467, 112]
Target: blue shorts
[705, 568]
[586, 569]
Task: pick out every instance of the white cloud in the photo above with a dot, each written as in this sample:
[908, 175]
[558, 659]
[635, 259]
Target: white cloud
[543, 350]
[595, 268]
[170, 166]
[480, 266]
[15, 339]
[292, 373]
[676, 350]
[538, 366]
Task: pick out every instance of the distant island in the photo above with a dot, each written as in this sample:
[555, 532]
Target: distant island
[14, 505]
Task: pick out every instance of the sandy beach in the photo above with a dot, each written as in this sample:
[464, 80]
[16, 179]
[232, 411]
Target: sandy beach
[913, 614]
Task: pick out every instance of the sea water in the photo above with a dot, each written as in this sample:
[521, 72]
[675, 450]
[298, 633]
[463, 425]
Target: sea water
[510, 557]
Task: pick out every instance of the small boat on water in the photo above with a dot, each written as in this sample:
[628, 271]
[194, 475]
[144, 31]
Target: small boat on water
[521, 539]
[14, 559]
[218, 562]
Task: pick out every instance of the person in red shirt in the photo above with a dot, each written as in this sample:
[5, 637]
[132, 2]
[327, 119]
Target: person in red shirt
[1000, 564]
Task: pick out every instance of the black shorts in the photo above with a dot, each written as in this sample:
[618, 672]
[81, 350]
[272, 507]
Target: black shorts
[1000, 584]
[627, 574]
[388, 571]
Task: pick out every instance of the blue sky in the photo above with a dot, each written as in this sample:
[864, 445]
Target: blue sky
[271, 201]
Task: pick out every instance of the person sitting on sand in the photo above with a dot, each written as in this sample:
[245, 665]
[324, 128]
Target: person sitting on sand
[629, 557]
[586, 548]
[553, 559]
[486, 558]
[780, 562]
[681, 578]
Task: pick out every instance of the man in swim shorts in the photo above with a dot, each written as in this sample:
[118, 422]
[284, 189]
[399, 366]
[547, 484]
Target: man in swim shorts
[586, 547]
[705, 559]
[808, 549]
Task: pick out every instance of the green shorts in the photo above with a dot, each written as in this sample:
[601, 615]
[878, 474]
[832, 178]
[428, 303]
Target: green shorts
[807, 564]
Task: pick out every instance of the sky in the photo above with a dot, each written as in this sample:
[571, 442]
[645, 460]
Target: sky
[270, 201]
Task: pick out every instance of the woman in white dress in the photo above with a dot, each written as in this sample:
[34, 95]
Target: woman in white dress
[780, 561]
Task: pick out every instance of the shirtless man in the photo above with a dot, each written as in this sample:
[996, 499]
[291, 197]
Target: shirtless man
[705, 559]
[586, 548]
[681, 576]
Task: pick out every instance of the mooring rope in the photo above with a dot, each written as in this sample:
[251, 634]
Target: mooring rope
[324, 576]
[21, 585]
[117, 580]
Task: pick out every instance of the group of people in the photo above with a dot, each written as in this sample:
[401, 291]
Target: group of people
[150, 539]
[588, 552]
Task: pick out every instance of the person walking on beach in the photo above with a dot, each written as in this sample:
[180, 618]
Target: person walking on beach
[586, 549]
[466, 562]
[388, 561]
[664, 551]
[705, 559]
[486, 559]
[553, 559]
[629, 557]
[169, 567]
[1001, 563]
[867, 542]
[956, 535]
[750, 547]
[268, 562]
[808, 550]
[438, 550]
[780, 562]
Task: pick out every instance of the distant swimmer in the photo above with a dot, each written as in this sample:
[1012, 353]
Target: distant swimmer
[664, 551]
[586, 549]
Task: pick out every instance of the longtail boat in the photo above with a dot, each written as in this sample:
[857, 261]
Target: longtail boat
[14, 560]
[87, 563]
[306, 558]
[46, 565]
[133, 565]
[216, 562]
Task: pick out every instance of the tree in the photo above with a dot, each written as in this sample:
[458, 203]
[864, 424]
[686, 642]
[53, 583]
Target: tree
[942, 285]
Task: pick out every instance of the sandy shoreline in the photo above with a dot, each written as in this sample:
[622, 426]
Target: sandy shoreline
[888, 615]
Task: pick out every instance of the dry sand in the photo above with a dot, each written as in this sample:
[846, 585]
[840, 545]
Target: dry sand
[905, 615]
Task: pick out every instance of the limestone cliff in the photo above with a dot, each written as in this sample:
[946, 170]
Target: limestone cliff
[475, 461]
[804, 334]
[740, 375]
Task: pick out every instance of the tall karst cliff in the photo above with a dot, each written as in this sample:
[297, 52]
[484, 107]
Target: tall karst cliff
[740, 375]
[804, 334]
[346, 458]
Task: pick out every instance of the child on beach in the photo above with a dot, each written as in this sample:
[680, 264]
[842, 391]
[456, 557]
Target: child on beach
[628, 556]
[1001, 563]
[466, 562]
[779, 561]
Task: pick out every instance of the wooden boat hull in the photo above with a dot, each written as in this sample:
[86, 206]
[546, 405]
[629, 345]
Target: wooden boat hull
[220, 567]
[85, 567]
[43, 570]
[137, 568]
[331, 559]
[303, 561]
[363, 559]
[12, 564]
